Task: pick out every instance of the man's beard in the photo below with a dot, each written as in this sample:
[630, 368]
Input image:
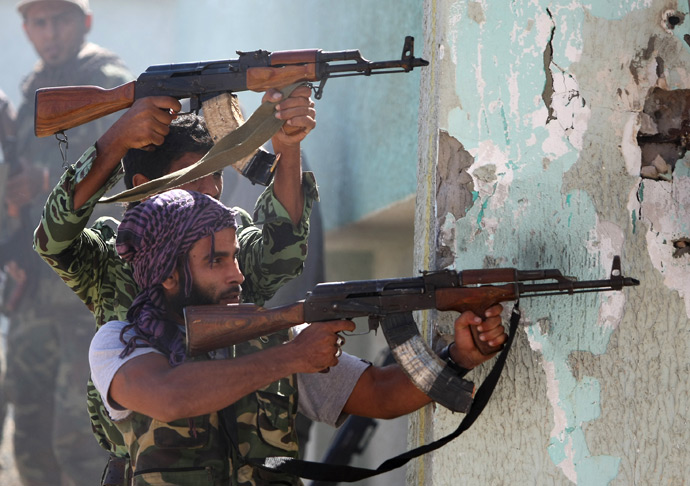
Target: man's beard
[197, 297]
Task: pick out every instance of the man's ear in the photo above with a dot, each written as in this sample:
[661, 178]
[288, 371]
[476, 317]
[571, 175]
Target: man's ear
[88, 20]
[139, 179]
[172, 283]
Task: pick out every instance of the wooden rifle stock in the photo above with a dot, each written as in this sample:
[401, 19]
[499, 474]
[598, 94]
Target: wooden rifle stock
[214, 327]
[61, 108]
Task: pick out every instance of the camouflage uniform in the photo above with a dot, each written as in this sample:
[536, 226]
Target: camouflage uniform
[87, 261]
[49, 329]
[215, 449]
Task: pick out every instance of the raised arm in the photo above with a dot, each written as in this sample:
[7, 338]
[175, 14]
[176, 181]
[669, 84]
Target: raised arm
[299, 115]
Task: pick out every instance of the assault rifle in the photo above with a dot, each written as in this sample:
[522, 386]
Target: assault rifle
[211, 84]
[211, 327]
[61, 108]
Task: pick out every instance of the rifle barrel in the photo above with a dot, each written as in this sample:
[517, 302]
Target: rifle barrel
[575, 287]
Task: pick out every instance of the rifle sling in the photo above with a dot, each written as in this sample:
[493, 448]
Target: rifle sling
[234, 146]
[342, 473]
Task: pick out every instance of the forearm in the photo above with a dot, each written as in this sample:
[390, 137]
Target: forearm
[385, 393]
[61, 225]
[273, 252]
[108, 158]
[287, 185]
[197, 388]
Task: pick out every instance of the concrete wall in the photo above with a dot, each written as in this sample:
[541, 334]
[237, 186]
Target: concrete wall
[538, 131]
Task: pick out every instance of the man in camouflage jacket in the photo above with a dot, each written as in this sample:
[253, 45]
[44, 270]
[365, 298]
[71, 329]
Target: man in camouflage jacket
[85, 258]
[212, 420]
[49, 328]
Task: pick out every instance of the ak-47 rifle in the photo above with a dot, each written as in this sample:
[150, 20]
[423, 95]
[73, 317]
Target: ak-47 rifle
[61, 108]
[212, 327]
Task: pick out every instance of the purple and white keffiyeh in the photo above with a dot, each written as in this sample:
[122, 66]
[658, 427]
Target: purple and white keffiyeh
[154, 237]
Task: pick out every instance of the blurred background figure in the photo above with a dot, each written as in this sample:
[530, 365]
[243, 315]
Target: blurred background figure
[50, 329]
[7, 144]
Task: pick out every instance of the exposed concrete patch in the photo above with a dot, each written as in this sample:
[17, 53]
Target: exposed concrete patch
[547, 94]
[476, 12]
[454, 193]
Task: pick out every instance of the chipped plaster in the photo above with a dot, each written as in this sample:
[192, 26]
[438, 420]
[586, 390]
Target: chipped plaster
[550, 98]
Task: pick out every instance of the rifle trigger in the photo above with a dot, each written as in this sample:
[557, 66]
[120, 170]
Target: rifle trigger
[374, 323]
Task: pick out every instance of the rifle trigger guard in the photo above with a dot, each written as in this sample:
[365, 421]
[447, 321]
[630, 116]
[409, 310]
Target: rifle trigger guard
[63, 145]
[318, 90]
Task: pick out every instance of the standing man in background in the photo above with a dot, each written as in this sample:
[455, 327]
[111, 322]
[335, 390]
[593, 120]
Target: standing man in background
[50, 328]
[7, 144]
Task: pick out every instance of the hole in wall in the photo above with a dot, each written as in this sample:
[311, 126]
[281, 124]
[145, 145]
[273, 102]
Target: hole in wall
[664, 134]
[672, 19]
[682, 247]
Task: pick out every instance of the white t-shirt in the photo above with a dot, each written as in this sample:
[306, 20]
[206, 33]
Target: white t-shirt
[322, 396]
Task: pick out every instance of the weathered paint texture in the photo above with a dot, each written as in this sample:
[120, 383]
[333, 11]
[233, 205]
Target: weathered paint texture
[548, 147]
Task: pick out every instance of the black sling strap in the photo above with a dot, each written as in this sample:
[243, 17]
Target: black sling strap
[348, 474]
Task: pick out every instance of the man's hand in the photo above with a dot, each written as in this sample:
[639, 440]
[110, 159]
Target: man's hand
[298, 112]
[317, 345]
[464, 351]
[144, 125]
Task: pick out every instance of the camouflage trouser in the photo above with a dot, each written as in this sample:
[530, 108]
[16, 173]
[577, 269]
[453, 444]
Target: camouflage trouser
[47, 373]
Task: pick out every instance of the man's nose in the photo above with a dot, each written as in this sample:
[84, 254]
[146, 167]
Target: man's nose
[235, 274]
[51, 28]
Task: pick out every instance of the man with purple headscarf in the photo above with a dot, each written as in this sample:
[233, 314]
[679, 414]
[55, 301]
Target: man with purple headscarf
[211, 420]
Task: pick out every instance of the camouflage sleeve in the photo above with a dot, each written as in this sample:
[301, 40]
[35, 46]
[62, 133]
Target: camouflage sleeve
[62, 239]
[272, 255]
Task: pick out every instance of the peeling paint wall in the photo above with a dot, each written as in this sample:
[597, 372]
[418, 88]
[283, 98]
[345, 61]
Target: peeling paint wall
[553, 134]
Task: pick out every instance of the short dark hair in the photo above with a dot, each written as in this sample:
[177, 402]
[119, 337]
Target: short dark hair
[188, 134]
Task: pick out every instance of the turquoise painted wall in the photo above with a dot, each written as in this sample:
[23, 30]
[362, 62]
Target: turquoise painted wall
[545, 99]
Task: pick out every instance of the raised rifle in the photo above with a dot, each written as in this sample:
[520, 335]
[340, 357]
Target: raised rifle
[212, 327]
[61, 108]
